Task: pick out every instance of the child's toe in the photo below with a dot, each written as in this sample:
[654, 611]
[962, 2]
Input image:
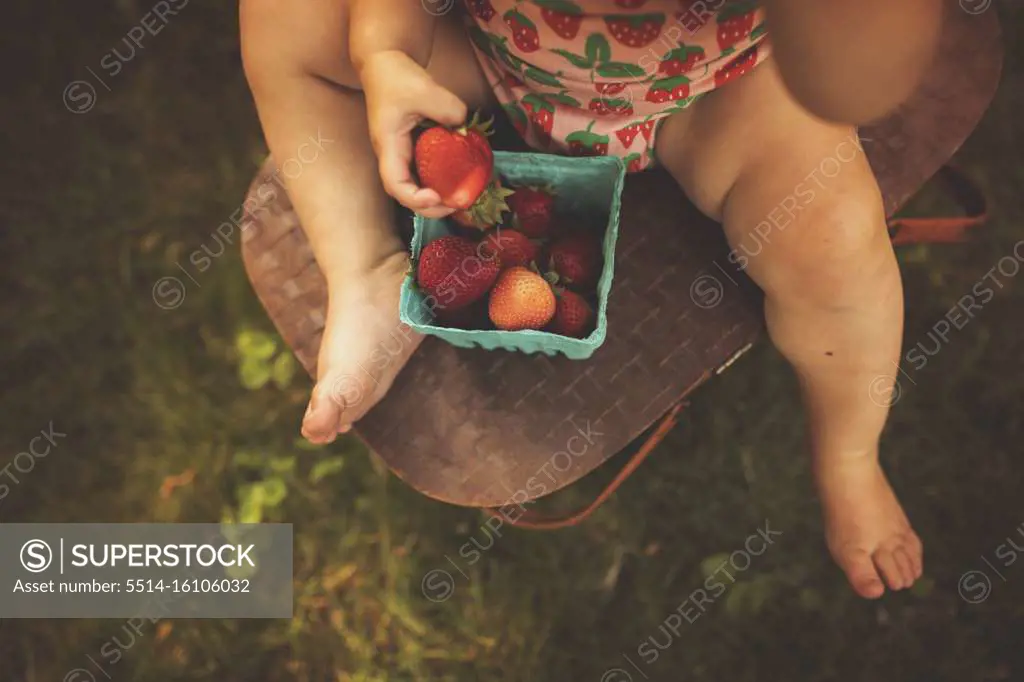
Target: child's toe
[322, 420]
[861, 573]
[887, 565]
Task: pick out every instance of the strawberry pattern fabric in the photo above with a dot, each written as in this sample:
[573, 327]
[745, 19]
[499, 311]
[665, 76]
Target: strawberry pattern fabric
[596, 77]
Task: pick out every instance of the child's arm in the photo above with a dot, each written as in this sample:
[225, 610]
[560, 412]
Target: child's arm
[853, 61]
[298, 61]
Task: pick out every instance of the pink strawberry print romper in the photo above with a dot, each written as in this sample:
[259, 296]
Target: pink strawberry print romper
[597, 77]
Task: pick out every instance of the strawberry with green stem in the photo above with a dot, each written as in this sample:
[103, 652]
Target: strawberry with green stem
[633, 163]
[563, 16]
[457, 164]
[488, 210]
[668, 89]
[735, 22]
[587, 143]
[524, 31]
[681, 60]
[540, 109]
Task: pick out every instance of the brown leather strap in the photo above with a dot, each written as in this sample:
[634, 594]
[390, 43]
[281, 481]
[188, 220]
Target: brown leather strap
[535, 521]
[948, 229]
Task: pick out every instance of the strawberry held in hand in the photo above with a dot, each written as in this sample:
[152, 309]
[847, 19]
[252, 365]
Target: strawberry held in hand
[533, 208]
[452, 271]
[459, 165]
[576, 259]
[573, 315]
[521, 299]
[487, 211]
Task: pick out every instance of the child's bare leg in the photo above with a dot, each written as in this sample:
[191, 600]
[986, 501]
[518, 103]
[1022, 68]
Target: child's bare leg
[803, 213]
[298, 64]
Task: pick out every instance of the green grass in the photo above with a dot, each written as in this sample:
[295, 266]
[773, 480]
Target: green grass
[102, 205]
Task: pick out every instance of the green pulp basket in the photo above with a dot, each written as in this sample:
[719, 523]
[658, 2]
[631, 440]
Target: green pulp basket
[583, 186]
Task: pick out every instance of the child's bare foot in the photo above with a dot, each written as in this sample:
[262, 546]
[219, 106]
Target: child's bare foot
[867, 531]
[364, 347]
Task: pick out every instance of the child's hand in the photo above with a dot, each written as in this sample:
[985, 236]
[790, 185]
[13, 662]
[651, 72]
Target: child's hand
[399, 95]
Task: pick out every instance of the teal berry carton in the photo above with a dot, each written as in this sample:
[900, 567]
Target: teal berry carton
[584, 187]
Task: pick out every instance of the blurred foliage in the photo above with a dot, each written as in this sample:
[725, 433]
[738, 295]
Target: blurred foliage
[100, 206]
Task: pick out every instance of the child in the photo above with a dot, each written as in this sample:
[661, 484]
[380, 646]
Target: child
[693, 84]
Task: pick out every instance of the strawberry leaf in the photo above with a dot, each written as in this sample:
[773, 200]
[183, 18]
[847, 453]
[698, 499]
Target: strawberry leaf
[579, 61]
[542, 77]
[563, 98]
[515, 18]
[619, 70]
[563, 6]
[597, 48]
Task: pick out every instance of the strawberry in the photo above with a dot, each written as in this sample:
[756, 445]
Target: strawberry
[669, 89]
[609, 88]
[521, 299]
[542, 114]
[630, 4]
[487, 211]
[573, 315]
[602, 106]
[451, 270]
[647, 128]
[628, 134]
[680, 60]
[533, 208]
[587, 143]
[512, 248]
[635, 30]
[481, 9]
[735, 22]
[744, 63]
[576, 259]
[457, 164]
[524, 31]
[633, 163]
[564, 17]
